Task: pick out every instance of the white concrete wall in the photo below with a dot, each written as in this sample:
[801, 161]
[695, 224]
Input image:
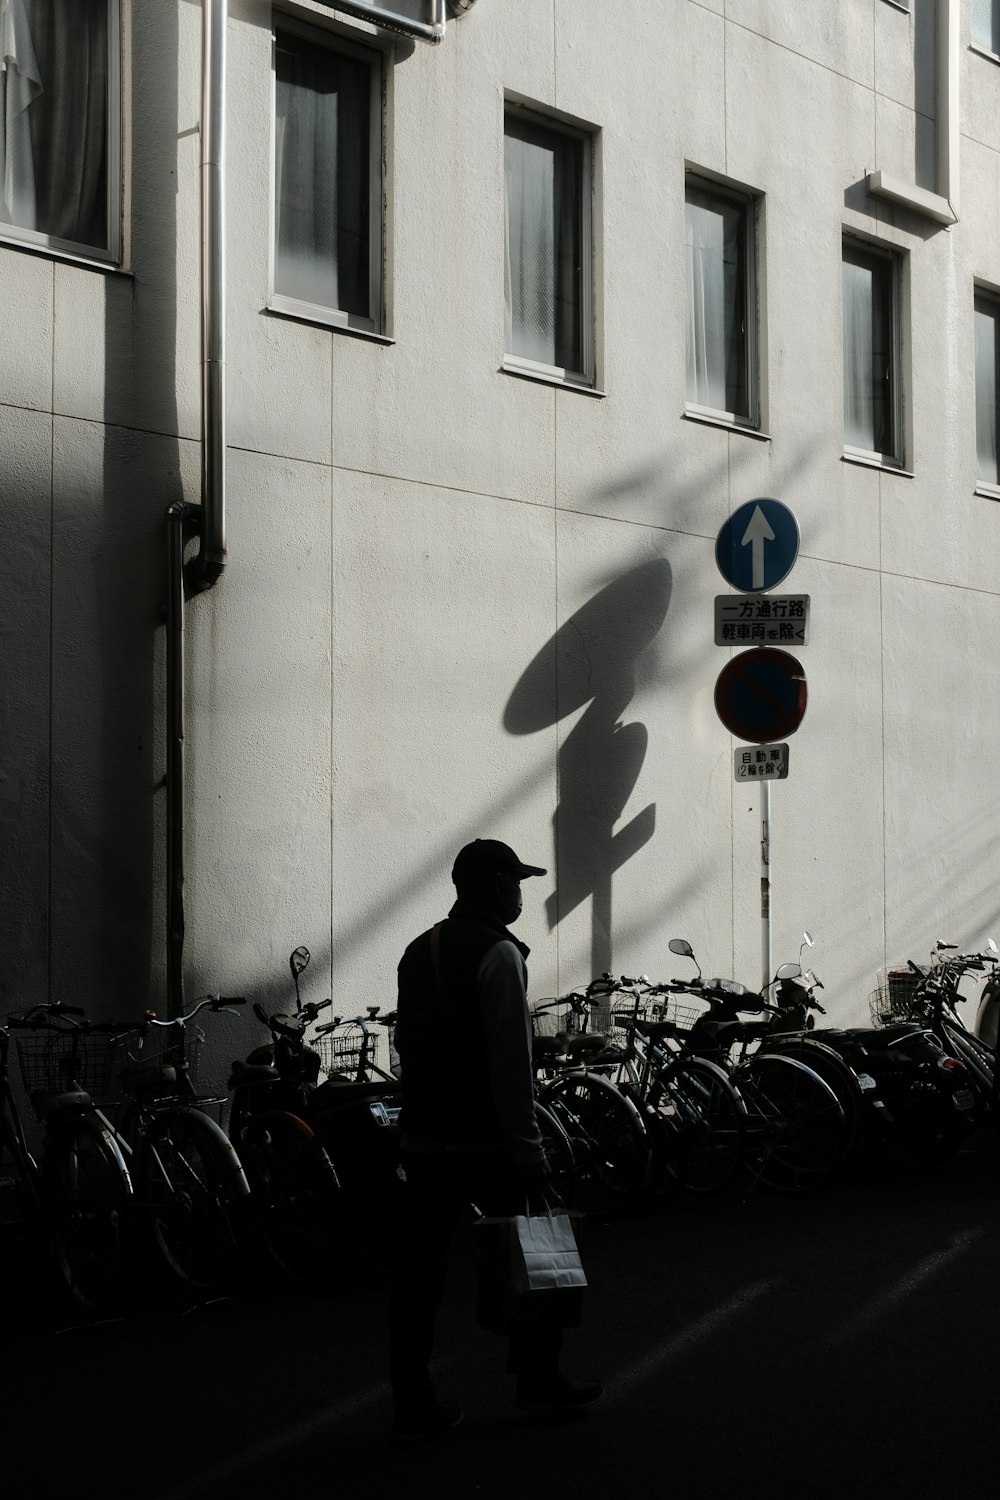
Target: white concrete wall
[459, 603]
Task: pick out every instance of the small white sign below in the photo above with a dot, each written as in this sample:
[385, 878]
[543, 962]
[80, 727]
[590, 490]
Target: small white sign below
[761, 619]
[760, 763]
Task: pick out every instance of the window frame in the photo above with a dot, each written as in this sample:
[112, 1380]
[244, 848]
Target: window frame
[990, 297]
[111, 257]
[893, 259]
[519, 364]
[750, 204]
[316, 312]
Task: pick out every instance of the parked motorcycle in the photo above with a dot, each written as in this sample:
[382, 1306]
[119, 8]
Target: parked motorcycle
[914, 1091]
[894, 1083]
[281, 1088]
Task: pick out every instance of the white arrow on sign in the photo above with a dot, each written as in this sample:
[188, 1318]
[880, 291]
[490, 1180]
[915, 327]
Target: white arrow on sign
[757, 533]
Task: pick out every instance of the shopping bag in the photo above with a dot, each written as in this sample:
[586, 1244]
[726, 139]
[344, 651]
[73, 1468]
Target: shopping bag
[529, 1269]
[544, 1254]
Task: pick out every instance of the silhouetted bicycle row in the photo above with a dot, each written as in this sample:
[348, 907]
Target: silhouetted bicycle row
[695, 1084]
[643, 1091]
[132, 1158]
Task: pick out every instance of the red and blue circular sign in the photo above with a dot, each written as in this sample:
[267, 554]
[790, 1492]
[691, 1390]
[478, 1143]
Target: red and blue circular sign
[760, 695]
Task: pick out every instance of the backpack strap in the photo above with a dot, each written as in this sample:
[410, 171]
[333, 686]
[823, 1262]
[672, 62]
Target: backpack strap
[436, 958]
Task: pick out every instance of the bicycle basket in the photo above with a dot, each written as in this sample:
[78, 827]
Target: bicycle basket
[161, 1050]
[559, 1018]
[897, 999]
[61, 1061]
[344, 1053]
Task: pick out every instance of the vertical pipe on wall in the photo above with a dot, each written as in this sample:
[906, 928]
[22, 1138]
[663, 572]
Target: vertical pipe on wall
[948, 63]
[210, 560]
[207, 521]
[181, 521]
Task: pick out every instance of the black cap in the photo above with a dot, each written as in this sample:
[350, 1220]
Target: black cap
[485, 857]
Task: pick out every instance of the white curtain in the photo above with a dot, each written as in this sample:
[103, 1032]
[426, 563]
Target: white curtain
[714, 231]
[322, 182]
[53, 120]
[859, 412]
[985, 24]
[987, 320]
[543, 243]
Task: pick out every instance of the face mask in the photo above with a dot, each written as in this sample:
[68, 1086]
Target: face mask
[509, 892]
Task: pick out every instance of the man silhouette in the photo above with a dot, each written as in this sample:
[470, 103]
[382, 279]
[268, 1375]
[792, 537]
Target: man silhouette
[469, 1132]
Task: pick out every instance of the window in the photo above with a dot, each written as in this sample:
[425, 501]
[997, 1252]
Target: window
[986, 25]
[60, 125]
[987, 319]
[548, 277]
[871, 353]
[721, 301]
[327, 259]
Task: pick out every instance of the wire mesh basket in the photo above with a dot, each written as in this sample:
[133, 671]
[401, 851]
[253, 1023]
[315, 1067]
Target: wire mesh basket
[555, 1019]
[163, 1048]
[896, 998]
[666, 1007]
[346, 1051]
[63, 1061]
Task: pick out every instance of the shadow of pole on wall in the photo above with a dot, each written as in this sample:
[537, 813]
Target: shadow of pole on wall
[592, 660]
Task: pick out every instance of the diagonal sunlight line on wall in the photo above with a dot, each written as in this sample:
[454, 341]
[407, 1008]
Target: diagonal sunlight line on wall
[694, 1333]
[208, 1480]
[884, 1304]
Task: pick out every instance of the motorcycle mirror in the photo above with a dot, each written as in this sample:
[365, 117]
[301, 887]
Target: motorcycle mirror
[807, 938]
[789, 971]
[297, 961]
[682, 947]
[991, 945]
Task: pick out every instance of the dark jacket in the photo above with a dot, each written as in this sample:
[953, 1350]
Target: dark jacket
[465, 1043]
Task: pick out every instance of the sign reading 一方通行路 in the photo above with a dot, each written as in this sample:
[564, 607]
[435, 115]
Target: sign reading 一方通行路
[761, 619]
[760, 763]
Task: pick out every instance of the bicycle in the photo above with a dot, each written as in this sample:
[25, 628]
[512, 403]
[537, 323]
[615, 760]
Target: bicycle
[609, 1139]
[696, 1119]
[188, 1181]
[82, 1196]
[295, 1196]
[795, 1135]
[20, 1175]
[961, 1077]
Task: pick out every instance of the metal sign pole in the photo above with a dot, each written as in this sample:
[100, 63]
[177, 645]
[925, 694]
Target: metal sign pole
[765, 883]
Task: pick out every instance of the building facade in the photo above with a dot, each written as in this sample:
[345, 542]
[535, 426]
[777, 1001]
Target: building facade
[513, 324]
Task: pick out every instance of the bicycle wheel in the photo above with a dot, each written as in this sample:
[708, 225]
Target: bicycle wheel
[191, 1187]
[709, 1117]
[835, 1072]
[796, 1138]
[87, 1199]
[296, 1194]
[610, 1141]
[559, 1156]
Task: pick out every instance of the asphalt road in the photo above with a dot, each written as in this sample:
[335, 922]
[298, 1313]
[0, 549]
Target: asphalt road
[843, 1345]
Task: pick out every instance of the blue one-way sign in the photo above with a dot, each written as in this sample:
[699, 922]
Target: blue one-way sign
[757, 547]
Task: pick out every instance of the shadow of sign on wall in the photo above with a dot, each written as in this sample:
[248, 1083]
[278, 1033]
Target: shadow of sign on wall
[592, 660]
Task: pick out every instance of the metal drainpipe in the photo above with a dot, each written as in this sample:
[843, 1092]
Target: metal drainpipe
[208, 521]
